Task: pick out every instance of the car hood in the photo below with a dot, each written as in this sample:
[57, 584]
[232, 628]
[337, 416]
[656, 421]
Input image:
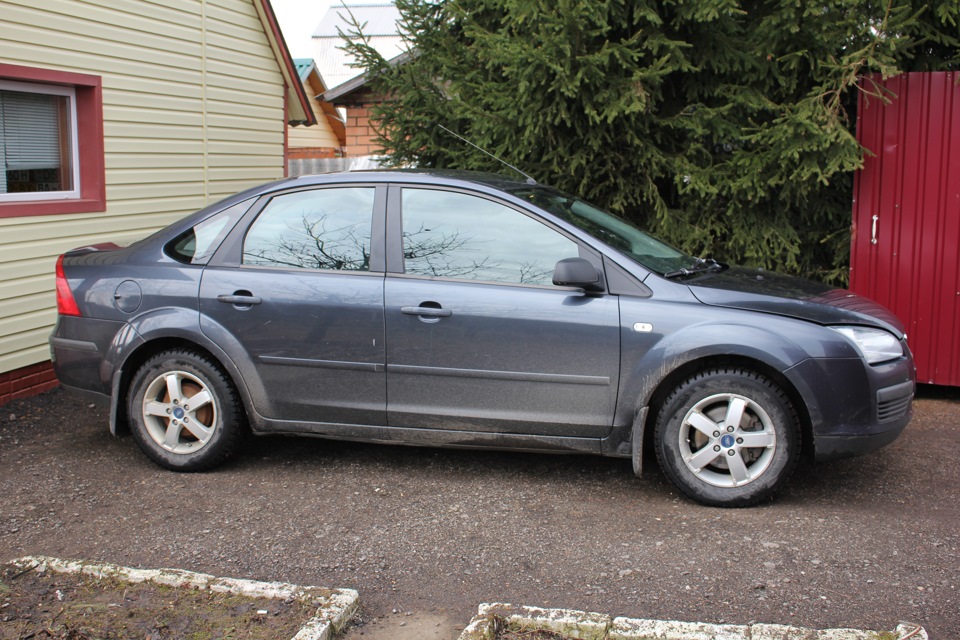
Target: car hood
[769, 292]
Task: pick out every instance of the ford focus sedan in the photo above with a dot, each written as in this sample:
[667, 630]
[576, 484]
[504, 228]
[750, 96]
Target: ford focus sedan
[471, 310]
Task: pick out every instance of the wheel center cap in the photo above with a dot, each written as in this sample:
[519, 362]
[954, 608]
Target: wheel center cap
[178, 413]
[727, 440]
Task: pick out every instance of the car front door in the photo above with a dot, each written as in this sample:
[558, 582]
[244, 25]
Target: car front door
[298, 296]
[478, 337]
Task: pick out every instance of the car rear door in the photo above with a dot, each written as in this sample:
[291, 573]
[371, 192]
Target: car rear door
[478, 337]
[295, 296]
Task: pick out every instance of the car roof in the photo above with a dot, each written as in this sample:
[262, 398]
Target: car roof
[417, 176]
[489, 182]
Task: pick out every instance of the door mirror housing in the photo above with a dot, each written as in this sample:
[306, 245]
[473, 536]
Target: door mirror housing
[577, 272]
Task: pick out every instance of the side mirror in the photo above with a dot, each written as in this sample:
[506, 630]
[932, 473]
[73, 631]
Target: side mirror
[577, 272]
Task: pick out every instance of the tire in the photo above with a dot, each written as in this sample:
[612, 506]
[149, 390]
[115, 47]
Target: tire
[168, 429]
[712, 461]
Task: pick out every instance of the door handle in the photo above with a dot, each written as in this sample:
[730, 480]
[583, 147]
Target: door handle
[429, 312]
[238, 299]
[873, 230]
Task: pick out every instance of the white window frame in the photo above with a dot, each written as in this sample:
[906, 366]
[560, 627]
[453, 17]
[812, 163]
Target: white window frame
[71, 94]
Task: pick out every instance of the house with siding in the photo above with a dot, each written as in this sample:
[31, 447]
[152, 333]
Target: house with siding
[347, 83]
[380, 24]
[310, 148]
[118, 117]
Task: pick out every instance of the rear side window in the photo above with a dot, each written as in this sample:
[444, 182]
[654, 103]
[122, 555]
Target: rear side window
[198, 245]
[318, 229]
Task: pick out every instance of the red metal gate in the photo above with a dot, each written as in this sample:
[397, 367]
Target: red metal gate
[906, 215]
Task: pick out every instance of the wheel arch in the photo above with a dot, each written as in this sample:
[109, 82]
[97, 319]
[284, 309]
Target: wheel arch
[698, 455]
[676, 376]
[119, 418]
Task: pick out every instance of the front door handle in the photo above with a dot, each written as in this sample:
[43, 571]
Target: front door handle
[240, 298]
[428, 312]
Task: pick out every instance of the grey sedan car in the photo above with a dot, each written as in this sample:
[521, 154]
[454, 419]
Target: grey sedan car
[471, 310]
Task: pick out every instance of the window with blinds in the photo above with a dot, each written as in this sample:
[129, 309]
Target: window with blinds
[38, 142]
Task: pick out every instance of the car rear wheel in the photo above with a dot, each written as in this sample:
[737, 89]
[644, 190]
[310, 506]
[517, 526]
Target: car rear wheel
[185, 412]
[728, 437]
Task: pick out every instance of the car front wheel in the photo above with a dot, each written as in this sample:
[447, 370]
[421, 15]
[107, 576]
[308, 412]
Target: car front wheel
[728, 437]
[185, 413]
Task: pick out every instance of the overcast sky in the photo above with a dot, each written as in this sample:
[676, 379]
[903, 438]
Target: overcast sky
[298, 19]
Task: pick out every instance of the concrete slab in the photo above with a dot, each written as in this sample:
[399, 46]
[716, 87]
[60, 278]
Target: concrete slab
[596, 626]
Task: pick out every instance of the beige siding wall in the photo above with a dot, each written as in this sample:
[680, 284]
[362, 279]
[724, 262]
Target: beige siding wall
[319, 135]
[193, 111]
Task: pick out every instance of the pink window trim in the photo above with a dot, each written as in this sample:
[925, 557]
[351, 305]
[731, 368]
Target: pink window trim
[93, 191]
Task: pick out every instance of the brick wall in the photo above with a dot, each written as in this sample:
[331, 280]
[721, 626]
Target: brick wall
[360, 135]
[26, 382]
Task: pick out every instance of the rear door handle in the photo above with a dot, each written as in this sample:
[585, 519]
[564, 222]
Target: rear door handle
[429, 312]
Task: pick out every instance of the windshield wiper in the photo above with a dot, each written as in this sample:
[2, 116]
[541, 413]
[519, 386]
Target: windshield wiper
[700, 266]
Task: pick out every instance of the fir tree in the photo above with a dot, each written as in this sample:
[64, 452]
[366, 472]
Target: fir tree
[724, 127]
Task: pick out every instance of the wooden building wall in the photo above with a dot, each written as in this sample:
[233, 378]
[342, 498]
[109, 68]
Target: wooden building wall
[193, 110]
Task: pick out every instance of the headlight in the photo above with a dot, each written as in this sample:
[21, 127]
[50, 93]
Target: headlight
[875, 345]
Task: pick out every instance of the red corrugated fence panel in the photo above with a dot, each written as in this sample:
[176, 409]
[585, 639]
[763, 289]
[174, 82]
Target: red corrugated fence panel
[905, 249]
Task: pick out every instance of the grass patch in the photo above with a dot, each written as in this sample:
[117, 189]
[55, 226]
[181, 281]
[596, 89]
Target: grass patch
[71, 606]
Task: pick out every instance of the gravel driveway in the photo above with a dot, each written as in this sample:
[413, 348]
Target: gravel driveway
[862, 543]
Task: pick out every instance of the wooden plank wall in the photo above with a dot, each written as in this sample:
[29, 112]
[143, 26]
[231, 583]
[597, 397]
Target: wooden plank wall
[319, 135]
[193, 112]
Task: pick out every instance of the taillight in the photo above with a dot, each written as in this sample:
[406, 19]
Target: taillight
[66, 303]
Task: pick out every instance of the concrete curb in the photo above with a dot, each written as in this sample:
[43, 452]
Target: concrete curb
[335, 607]
[597, 626]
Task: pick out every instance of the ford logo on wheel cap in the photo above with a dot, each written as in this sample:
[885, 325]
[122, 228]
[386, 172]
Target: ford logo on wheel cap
[727, 440]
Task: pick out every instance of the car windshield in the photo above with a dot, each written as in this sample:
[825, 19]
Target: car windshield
[616, 232]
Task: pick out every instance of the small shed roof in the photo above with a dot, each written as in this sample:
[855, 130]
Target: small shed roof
[311, 79]
[348, 91]
[304, 67]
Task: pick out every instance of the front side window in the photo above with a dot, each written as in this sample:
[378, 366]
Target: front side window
[318, 229]
[38, 142]
[457, 235]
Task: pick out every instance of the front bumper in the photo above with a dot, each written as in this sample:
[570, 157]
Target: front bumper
[837, 447]
[855, 408]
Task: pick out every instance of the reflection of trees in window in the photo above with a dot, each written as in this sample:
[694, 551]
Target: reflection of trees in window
[536, 273]
[316, 243]
[426, 252]
[446, 255]
[458, 235]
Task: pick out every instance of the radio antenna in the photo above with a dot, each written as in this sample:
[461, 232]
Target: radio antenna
[501, 161]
